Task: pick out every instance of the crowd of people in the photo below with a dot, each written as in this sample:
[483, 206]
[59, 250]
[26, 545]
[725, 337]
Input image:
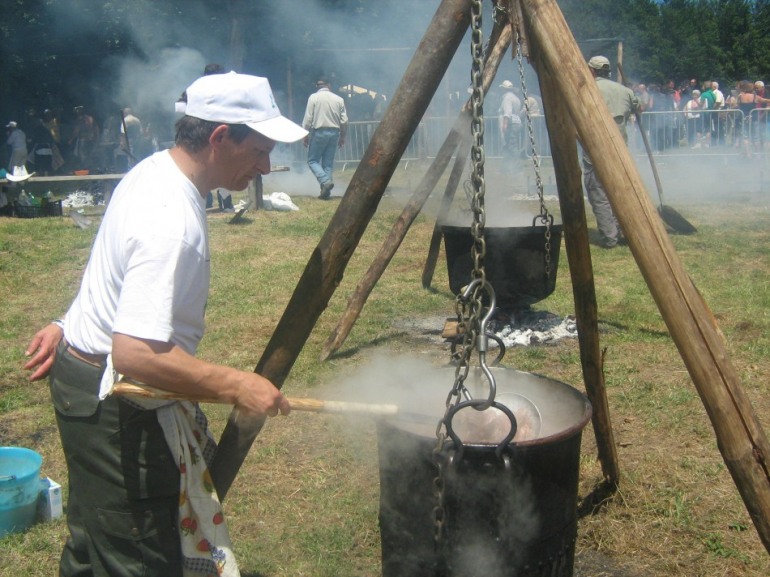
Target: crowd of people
[702, 115]
[51, 142]
[512, 115]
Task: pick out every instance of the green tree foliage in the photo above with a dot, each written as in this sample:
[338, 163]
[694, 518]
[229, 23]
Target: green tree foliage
[65, 52]
[758, 35]
[679, 39]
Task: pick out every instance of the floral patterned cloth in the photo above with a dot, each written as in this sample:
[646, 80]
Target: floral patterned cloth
[206, 545]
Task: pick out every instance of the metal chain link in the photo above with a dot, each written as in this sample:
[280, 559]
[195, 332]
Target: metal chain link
[545, 217]
[468, 308]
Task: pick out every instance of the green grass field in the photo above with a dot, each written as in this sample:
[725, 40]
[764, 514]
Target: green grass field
[306, 500]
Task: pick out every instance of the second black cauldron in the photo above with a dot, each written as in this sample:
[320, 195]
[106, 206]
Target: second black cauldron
[515, 261]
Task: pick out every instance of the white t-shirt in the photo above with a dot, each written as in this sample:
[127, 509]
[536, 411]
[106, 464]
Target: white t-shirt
[149, 270]
[693, 108]
[719, 99]
[510, 106]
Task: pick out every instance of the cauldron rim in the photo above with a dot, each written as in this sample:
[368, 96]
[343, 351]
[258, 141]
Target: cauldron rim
[454, 227]
[580, 421]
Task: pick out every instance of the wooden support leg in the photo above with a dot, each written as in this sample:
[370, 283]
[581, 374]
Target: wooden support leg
[446, 203]
[740, 437]
[500, 40]
[328, 261]
[561, 132]
[390, 246]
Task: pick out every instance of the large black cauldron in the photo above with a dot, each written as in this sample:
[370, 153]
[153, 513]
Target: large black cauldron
[518, 520]
[514, 263]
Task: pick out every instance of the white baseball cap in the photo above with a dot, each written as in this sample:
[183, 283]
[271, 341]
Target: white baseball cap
[599, 62]
[506, 84]
[234, 98]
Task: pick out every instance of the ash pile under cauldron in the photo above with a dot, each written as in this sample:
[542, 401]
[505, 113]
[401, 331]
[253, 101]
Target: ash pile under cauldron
[528, 328]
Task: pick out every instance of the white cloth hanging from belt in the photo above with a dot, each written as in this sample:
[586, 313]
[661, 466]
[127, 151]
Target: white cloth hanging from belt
[206, 545]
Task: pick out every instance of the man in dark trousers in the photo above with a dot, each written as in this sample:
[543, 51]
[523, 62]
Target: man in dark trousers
[621, 102]
[141, 501]
[327, 122]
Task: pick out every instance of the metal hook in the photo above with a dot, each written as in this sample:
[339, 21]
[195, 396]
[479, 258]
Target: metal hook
[482, 339]
[458, 444]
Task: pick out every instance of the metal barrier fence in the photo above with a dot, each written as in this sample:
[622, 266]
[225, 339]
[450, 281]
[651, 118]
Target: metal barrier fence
[719, 131]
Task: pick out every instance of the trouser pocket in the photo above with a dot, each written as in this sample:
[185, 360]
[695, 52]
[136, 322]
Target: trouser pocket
[144, 541]
[74, 384]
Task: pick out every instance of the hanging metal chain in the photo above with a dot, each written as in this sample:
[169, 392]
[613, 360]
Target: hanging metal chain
[468, 306]
[545, 218]
[477, 147]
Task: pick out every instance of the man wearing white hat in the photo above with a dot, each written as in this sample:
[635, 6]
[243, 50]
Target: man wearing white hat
[17, 142]
[510, 121]
[140, 497]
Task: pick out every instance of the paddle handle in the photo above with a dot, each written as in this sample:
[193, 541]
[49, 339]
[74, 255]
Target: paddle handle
[124, 388]
[646, 142]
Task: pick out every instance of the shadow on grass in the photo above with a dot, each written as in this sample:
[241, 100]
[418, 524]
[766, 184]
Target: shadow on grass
[442, 292]
[607, 326]
[595, 501]
[351, 352]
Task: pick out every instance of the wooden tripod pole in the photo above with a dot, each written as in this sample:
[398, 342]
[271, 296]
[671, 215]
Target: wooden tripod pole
[446, 203]
[329, 259]
[365, 286]
[562, 135]
[500, 40]
[740, 437]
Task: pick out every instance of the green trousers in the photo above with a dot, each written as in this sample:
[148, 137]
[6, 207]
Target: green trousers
[122, 506]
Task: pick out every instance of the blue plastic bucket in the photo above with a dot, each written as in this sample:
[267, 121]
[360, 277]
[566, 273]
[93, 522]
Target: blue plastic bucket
[19, 488]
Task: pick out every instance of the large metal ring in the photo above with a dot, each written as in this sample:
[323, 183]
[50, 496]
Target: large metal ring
[474, 403]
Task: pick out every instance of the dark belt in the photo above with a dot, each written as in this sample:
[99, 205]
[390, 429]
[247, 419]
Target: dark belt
[91, 359]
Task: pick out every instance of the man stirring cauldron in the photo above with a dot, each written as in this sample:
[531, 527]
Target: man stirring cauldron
[141, 501]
